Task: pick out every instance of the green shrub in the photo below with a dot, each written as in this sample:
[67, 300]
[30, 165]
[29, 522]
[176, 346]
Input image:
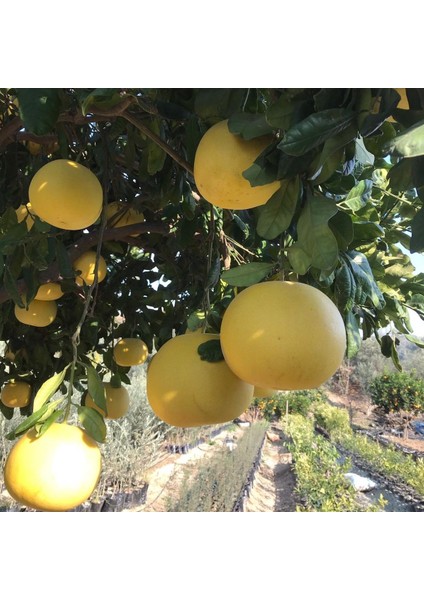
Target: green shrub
[393, 392]
[299, 402]
[333, 420]
[218, 480]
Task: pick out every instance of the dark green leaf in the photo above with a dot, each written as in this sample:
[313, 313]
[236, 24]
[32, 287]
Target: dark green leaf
[326, 162]
[49, 388]
[315, 237]
[277, 214]
[100, 98]
[196, 320]
[417, 230]
[264, 169]
[115, 381]
[214, 104]
[39, 108]
[65, 265]
[279, 115]
[96, 388]
[315, 129]
[30, 276]
[211, 351]
[12, 288]
[247, 274]
[342, 227]
[248, 125]
[414, 340]
[156, 156]
[353, 333]
[93, 423]
[345, 288]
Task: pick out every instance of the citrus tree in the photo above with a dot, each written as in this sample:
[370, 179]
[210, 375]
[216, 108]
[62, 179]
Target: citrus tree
[139, 214]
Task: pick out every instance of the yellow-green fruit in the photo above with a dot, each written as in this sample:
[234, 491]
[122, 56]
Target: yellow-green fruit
[117, 402]
[86, 263]
[24, 212]
[127, 215]
[221, 157]
[49, 291]
[40, 313]
[186, 391]
[130, 352]
[54, 472]
[66, 194]
[259, 392]
[16, 394]
[283, 335]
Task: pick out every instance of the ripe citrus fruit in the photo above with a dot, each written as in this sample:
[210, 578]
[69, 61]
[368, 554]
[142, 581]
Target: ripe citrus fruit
[24, 212]
[260, 392]
[54, 472]
[130, 352]
[66, 194]
[49, 291]
[40, 313]
[221, 157]
[117, 402]
[86, 264]
[16, 394]
[120, 215]
[186, 391]
[283, 335]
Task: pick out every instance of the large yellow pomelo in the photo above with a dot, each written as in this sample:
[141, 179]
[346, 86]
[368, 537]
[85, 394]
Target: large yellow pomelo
[260, 392]
[186, 391]
[117, 402]
[86, 263]
[66, 194]
[121, 215]
[40, 313]
[49, 291]
[129, 352]
[221, 157]
[54, 472]
[16, 394]
[283, 335]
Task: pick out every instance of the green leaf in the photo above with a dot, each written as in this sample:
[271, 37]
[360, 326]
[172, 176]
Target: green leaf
[314, 236]
[93, 423]
[28, 422]
[345, 288]
[264, 169]
[364, 278]
[12, 288]
[388, 349]
[156, 155]
[100, 98]
[39, 108]
[96, 388]
[358, 196]
[417, 231]
[315, 129]
[410, 143]
[277, 214]
[247, 274]
[299, 259]
[211, 351]
[49, 388]
[249, 125]
[41, 427]
[65, 265]
[196, 320]
[342, 227]
[353, 334]
[115, 382]
[331, 155]
[279, 114]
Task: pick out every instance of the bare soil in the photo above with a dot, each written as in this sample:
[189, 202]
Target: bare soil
[365, 416]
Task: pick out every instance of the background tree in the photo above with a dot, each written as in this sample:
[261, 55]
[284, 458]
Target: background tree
[346, 215]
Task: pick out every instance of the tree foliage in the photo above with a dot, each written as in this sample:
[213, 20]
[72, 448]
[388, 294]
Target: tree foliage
[347, 214]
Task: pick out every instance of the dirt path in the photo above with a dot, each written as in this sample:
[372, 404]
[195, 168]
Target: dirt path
[273, 488]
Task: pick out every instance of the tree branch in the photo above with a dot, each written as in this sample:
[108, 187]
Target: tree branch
[52, 273]
[159, 141]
